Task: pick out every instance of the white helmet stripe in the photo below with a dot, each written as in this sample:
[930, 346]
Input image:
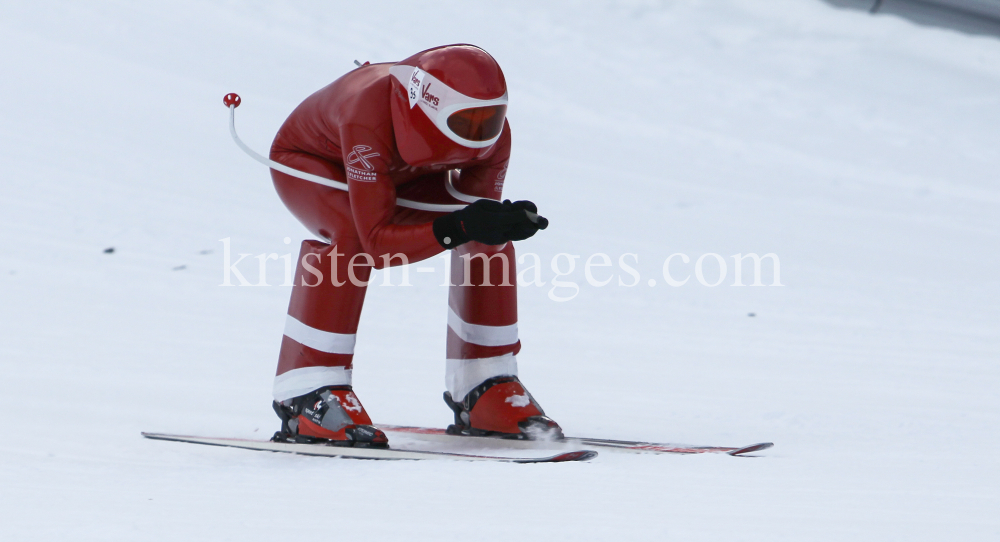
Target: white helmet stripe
[438, 101]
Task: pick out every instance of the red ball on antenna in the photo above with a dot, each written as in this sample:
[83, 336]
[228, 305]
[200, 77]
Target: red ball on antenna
[232, 100]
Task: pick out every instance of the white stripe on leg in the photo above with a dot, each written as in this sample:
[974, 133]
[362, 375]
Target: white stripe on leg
[324, 341]
[302, 381]
[481, 335]
[462, 375]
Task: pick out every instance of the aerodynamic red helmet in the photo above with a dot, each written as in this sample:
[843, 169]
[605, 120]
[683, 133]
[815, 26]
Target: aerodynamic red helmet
[449, 105]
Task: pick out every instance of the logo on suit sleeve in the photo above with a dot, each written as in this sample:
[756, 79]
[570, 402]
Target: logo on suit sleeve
[358, 166]
[498, 183]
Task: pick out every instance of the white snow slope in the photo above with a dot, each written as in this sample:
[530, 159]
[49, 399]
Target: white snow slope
[863, 151]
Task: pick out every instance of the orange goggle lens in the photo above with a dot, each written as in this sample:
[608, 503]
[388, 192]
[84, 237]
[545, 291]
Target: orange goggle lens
[478, 123]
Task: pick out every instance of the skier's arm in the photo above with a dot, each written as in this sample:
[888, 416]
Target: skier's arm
[489, 221]
[373, 204]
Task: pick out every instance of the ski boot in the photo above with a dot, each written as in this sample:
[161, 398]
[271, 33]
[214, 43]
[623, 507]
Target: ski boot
[501, 407]
[331, 415]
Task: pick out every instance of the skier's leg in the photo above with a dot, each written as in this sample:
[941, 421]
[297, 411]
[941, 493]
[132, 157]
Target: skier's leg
[313, 392]
[481, 371]
[317, 348]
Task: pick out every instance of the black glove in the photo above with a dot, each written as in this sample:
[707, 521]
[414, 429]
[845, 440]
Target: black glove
[490, 222]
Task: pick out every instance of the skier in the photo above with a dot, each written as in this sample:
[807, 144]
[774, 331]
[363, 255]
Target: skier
[429, 129]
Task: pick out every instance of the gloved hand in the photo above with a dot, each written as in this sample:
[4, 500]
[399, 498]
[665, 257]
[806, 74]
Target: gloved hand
[490, 222]
[524, 230]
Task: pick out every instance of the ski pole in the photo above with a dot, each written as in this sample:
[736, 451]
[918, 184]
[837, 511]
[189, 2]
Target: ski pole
[233, 100]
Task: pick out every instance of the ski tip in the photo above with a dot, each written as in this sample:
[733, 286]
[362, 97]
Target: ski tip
[165, 436]
[580, 455]
[752, 448]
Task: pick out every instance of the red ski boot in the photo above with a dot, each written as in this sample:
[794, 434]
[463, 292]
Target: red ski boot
[501, 407]
[331, 415]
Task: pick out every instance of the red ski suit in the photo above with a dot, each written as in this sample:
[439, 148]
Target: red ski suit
[345, 132]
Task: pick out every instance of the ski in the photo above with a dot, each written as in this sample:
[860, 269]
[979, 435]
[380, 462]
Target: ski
[442, 436]
[365, 453]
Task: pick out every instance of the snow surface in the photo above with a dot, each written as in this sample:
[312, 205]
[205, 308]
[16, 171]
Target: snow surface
[863, 151]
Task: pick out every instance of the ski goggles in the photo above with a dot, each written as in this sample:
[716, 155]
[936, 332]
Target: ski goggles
[468, 121]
